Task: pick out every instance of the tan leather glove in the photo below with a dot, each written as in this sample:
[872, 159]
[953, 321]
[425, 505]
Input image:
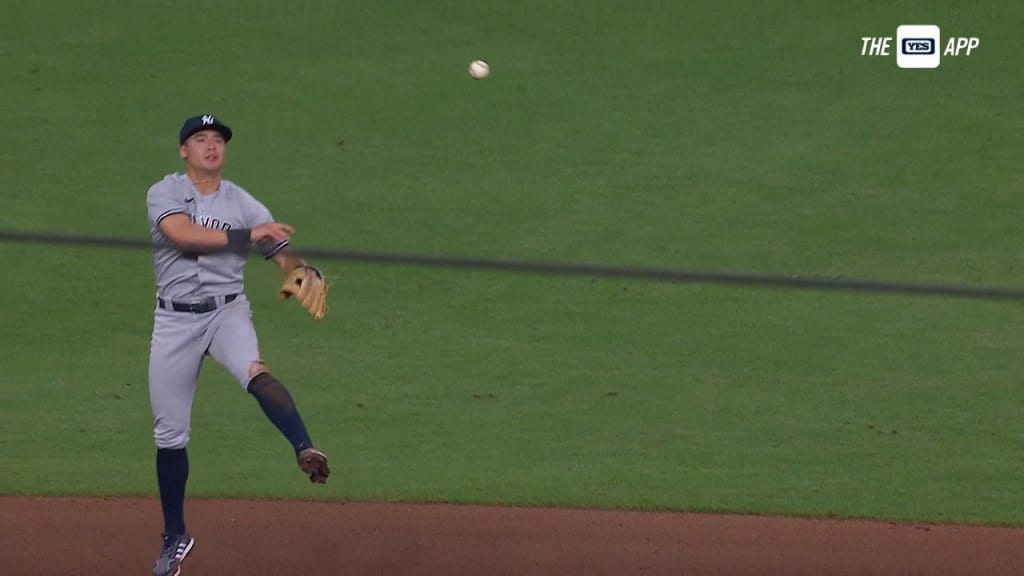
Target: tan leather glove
[306, 283]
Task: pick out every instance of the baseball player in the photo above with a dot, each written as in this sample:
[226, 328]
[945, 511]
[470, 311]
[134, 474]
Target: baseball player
[203, 227]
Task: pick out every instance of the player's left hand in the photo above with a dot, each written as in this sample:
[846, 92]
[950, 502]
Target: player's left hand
[308, 286]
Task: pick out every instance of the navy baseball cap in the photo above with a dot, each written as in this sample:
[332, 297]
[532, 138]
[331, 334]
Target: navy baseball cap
[204, 122]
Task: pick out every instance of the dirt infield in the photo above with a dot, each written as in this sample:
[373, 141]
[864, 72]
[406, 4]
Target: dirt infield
[43, 536]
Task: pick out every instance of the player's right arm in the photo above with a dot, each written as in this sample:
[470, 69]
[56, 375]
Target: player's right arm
[189, 237]
[168, 209]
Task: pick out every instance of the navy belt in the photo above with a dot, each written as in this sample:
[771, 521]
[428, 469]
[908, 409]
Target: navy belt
[203, 306]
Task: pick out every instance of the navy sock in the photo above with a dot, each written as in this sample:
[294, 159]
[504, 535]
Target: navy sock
[277, 404]
[171, 476]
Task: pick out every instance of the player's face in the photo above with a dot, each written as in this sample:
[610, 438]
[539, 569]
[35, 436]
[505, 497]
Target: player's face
[204, 151]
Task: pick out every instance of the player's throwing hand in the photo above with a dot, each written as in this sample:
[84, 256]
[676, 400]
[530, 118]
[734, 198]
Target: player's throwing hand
[271, 231]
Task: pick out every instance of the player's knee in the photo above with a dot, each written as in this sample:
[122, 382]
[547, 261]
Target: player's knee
[261, 381]
[171, 431]
[170, 439]
[256, 368]
[270, 392]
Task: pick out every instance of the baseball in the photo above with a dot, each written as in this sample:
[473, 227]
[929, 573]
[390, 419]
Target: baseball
[479, 69]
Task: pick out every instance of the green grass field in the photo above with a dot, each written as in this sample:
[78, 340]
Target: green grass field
[737, 137]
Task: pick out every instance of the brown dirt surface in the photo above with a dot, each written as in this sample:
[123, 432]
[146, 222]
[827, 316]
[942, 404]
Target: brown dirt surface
[120, 536]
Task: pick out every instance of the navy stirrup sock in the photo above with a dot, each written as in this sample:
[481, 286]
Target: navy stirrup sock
[277, 404]
[171, 476]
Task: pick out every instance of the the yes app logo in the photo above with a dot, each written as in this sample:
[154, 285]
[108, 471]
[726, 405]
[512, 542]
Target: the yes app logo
[917, 46]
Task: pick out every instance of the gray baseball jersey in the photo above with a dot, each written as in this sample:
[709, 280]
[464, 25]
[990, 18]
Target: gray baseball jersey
[201, 308]
[183, 276]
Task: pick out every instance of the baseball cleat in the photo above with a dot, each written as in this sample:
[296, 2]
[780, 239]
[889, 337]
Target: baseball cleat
[314, 464]
[173, 551]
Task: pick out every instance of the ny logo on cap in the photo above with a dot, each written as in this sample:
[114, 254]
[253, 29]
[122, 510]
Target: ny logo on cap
[207, 119]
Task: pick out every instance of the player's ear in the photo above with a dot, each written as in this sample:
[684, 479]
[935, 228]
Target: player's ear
[183, 151]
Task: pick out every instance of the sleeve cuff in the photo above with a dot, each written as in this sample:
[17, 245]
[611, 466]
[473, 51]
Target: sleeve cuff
[269, 251]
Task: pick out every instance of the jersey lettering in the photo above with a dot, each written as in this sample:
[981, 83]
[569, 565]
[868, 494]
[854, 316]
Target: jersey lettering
[186, 275]
[211, 222]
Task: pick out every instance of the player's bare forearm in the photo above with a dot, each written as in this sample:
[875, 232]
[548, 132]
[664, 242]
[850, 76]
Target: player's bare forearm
[180, 230]
[287, 260]
[190, 237]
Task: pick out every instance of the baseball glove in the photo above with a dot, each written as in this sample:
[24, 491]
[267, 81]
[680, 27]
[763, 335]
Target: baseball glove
[308, 286]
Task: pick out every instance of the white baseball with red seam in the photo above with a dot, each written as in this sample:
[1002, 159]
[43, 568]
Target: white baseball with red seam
[479, 69]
